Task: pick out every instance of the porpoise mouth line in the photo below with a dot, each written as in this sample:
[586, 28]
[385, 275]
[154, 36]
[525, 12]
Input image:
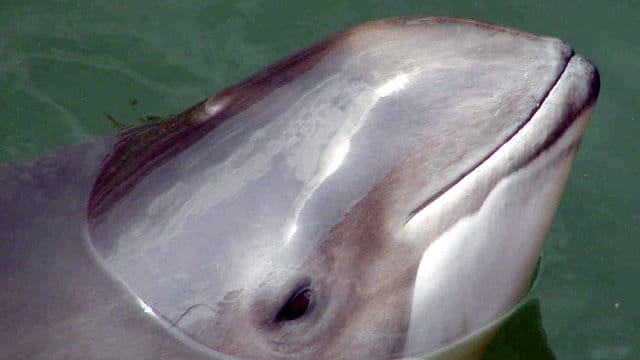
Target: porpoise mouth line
[554, 136]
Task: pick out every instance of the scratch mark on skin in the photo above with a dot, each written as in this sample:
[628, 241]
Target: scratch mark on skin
[191, 308]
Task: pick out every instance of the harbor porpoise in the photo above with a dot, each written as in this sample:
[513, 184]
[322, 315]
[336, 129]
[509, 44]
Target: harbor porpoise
[384, 193]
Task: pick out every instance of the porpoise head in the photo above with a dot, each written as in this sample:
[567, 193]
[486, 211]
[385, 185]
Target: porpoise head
[383, 193]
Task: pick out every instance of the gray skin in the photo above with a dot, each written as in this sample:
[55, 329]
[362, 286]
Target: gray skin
[404, 172]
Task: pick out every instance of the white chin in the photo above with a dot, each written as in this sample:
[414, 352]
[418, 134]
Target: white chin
[481, 266]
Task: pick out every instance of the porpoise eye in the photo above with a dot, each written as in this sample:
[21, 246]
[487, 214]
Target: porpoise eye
[296, 306]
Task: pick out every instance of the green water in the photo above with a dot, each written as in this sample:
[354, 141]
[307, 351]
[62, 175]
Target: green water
[65, 65]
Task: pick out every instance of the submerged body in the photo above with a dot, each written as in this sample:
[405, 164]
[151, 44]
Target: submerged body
[384, 193]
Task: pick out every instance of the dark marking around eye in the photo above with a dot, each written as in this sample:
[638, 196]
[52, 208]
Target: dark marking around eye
[296, 306]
